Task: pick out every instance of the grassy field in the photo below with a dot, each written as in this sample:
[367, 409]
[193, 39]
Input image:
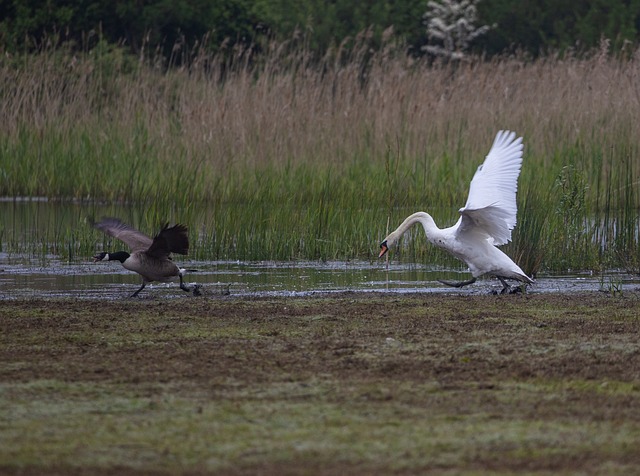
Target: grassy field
[349, 384]
[285, 158]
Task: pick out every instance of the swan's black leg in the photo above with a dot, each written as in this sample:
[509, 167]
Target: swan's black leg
[506, 289]
[457, 284]
[141, 288]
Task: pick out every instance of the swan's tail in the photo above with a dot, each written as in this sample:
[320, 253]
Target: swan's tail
[526, 279]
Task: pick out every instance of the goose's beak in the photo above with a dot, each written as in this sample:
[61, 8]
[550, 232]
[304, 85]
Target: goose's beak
[383, 249]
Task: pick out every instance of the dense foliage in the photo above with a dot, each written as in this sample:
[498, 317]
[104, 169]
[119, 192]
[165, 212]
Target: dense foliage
[538, 26]
[534, 26]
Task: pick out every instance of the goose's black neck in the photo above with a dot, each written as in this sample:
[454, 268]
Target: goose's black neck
[119, 255]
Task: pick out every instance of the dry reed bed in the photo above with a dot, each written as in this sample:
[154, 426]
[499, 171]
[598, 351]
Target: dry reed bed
[307, 112]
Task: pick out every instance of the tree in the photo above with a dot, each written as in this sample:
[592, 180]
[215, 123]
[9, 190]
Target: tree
[540, 26]
[452, 28]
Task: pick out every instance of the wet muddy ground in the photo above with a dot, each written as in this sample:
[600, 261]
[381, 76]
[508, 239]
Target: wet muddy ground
[28, 278]
[343, 383]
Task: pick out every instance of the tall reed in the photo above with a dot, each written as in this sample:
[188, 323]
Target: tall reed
[295, 158]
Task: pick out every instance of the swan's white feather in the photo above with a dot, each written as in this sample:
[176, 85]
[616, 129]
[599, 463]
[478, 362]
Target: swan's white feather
[491, 205]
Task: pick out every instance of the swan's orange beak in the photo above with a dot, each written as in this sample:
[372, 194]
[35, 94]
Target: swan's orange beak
[383, 249]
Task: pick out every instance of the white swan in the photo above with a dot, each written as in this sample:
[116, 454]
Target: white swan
[485, 221]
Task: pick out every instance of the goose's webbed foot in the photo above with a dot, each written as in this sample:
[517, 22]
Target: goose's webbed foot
[195, 289]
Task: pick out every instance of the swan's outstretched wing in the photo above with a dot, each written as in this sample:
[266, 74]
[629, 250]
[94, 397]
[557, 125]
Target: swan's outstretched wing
[136, 240]
[491, 206]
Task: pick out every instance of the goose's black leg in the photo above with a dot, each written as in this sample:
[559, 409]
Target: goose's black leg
[141, 288]
[457, 284]
[183, 286]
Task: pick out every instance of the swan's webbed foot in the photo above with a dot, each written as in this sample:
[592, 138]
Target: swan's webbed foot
[508, 289]
[457, 284]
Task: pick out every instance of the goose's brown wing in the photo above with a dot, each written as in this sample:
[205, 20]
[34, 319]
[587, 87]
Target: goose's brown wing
[170, 240]
[135, 239]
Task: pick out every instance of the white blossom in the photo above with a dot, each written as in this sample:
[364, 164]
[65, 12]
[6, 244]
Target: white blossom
[451, 27]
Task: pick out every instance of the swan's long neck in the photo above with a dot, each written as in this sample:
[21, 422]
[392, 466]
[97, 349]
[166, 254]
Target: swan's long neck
[423, 218]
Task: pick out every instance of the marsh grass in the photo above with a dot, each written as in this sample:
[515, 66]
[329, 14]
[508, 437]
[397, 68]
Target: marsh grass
[286, 158]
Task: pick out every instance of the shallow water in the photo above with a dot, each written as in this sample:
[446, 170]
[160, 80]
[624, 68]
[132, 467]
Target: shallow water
[33, 224]
[22, 278]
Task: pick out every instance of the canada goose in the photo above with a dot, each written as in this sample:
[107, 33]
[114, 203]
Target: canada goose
[150, 258]
[486, 220]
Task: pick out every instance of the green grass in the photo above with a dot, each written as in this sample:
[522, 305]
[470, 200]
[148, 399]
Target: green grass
[289, 160]
[353, 383]
[102, 426]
